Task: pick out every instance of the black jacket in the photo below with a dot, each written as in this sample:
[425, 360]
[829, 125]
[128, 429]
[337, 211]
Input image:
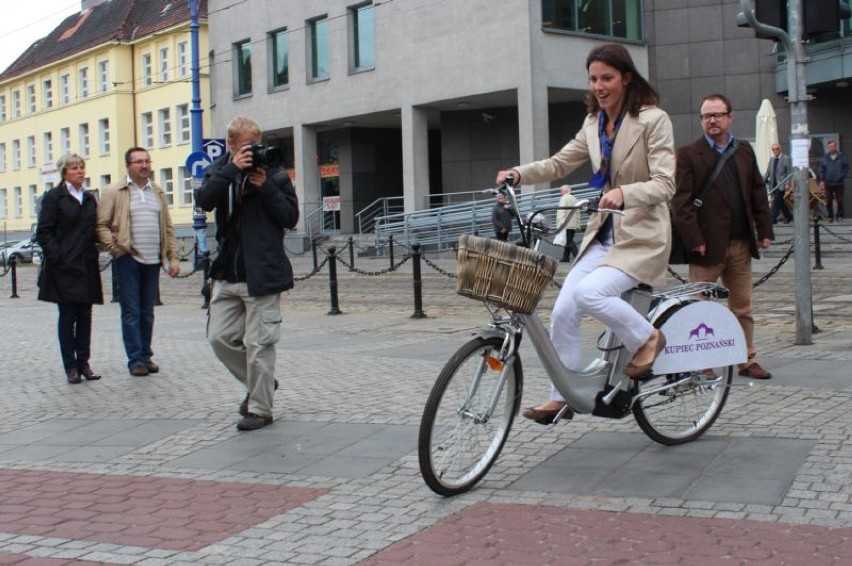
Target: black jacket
[66, 232]
[254, 225]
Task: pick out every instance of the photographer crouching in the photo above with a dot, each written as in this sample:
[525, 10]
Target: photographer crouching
[254, 202]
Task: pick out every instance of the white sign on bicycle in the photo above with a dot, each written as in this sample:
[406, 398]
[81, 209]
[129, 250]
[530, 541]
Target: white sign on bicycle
[702, 334]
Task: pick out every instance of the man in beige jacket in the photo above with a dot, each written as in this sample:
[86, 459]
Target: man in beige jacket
[135, 227]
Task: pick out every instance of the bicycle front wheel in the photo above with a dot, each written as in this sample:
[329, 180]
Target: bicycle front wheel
[468, 416]
[676, 408]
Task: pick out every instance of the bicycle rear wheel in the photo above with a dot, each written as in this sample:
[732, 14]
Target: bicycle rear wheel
[676, 408]
[460, 438]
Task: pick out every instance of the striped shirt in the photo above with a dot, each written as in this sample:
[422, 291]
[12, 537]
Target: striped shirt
[144, 223]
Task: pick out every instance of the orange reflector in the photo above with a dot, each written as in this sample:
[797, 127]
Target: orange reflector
[494, 363]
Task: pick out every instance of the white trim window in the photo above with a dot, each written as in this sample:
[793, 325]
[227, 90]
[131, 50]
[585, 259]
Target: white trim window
[185, 184]
[16, 155]
[47, 143]
[47, 92]
[2, 107]
[146, 125]
[19, 203]
[146, 69]
[65, 140]
[164, 119]
[103, 136]
[83, 131]
[167, 183]
[16, 104]
[32, 192]
[103, 76]
[183, 59]
[65, 88]
[84, 82]
[31, 99]
[31, 151]
[2, 157]
[164, 64]
[183, 123]
[3, 197]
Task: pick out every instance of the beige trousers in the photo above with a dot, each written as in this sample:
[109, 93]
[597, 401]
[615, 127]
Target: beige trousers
[243, 331]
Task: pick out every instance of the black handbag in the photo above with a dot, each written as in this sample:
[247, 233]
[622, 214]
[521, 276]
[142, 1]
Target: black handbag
[679, 255]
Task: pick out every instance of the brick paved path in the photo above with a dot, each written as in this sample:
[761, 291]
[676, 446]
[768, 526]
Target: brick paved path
[151, 471]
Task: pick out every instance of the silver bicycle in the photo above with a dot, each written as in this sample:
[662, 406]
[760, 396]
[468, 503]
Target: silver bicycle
[473, 403]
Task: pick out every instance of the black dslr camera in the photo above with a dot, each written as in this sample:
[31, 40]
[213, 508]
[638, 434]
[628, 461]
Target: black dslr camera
[262, 156]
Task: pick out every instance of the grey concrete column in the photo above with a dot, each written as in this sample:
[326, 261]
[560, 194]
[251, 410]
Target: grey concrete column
[533, 124]
[415, 157]
[307, 171]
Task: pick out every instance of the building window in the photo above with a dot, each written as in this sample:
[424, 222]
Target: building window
[3, 197]
[65, 88]
[146, 69]
[318, 49]
[184, 124]
[16, 155]
[65, 140]
[103, 136]
[2, 107]
[164, 117]
[16, 104]
[47, 142]
[182, 59]
[19, 202]
[168, 185]
[164, 64]
[103, 76]
[47, 92]
[31, 151]
[242, 54]
[84, 82]
[614, 18]
[280, 61]
[362, 53]
[185, 184]
[105, 180]
[83, 131]
[31, 99]
[147, 127]
[32, 191]
[2, 157]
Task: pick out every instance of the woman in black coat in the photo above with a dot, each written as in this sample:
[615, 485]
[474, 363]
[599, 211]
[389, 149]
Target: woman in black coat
[70, 275]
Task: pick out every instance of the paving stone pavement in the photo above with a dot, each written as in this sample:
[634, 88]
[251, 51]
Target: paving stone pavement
[152, 471]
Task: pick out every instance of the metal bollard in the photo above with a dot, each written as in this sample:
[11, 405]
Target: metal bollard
[14, 266]
[332, 280]
[114, 281]
[314, 252]
[817, 251]
[205, 288]
[418, 284]
[351, 253]
[390, 250]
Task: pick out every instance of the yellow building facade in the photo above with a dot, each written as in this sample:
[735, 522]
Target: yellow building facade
[98, 102]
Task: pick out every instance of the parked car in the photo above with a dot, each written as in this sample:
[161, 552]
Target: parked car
[22, 252]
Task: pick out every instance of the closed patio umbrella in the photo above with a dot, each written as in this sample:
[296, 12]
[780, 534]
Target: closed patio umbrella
[765, 134]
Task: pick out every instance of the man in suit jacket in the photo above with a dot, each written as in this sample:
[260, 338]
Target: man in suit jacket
[720, 235]
[779, 184]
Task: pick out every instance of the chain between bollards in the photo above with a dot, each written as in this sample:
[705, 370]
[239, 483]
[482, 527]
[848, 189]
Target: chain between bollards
[418, 283]
[332, 280]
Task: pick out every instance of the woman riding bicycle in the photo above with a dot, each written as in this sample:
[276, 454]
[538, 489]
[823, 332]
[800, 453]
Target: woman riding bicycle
[630, 144]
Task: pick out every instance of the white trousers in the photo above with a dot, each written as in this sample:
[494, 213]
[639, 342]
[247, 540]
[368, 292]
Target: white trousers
[595, 290]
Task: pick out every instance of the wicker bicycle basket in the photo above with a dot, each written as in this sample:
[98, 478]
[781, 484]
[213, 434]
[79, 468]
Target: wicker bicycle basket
[504, 274]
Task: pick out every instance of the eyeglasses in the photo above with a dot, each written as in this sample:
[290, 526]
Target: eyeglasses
[713, 116]
[140, 162]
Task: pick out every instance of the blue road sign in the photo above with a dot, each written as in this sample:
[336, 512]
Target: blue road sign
[196, 163]
[214, 148]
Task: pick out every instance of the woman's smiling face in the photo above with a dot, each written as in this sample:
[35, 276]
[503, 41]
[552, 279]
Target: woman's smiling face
[607, 85]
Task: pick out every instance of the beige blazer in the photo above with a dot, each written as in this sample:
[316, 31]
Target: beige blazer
[643, 165]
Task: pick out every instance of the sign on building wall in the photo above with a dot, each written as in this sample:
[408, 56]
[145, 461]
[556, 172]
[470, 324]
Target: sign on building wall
[49, 174]
[331, 204]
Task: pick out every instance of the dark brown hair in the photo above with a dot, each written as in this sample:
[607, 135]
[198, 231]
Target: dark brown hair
[721, 97]
[637, 92]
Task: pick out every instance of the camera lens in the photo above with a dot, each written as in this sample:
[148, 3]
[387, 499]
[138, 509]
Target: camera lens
[266, 156]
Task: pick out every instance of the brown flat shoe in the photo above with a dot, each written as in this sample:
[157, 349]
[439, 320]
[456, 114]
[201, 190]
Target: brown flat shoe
[644, 357]
[151, 367]
[546, 416]
[754, 371]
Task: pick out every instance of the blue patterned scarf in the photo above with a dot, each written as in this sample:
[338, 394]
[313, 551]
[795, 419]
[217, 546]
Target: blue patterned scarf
[602, 177]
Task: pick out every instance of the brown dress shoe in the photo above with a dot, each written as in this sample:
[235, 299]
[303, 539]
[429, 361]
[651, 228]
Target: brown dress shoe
[151, 367]
[754, 371]
[73, 376]
[644, 357]
[546, 416]
[86, 371]
[139, 370]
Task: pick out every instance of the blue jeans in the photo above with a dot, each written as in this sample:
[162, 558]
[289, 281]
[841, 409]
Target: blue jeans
[138, 285]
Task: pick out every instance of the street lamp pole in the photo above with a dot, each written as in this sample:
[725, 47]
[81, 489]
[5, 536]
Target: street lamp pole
[195, 111]
[797, 96]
